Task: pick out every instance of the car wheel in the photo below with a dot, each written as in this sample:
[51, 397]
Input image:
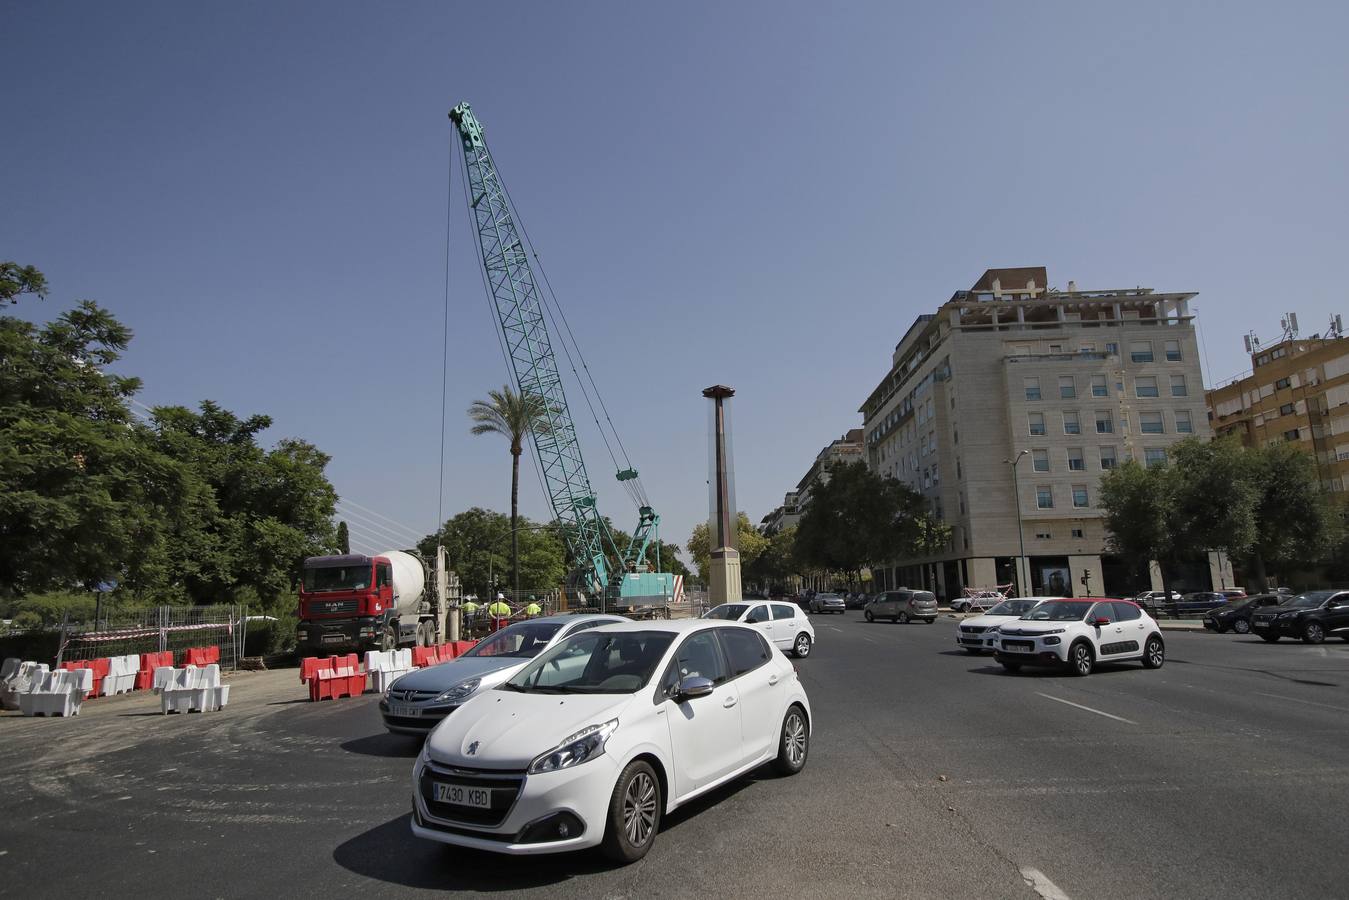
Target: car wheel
[1271, 638]
[1080, 660]
[869, 616]
[1313, 633]
[634, 813]
[793, 743]
[1154, 653]
[1241, 626]
[801, 646]
[388, 640]
[904, 618]
[1011, 666]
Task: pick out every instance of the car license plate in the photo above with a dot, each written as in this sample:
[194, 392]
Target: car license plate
[334, 638]
[404, 710]
[1018, 646]
[1260, 624]
[459, 795]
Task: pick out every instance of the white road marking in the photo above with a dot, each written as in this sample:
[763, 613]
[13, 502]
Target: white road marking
[1296, 700]
[1088, 709]
[1036, 881]
[868, 640]
[835, 627]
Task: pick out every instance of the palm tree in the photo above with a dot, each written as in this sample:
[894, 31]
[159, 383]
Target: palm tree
[513, 416]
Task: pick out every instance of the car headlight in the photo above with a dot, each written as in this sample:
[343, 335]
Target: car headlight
[1054, 631]
[425, 756]
[459, 691]
[1287, 615]
[575, 749]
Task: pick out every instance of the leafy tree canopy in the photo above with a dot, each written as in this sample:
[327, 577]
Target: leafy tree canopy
[751, 544]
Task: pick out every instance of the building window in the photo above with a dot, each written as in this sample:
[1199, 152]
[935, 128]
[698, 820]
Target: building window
[1044, 497]
[1076, 462]
[1173, 351]
[1032, 388]
[1140, 351]
[1098, 386]
[1039, 460]
[1183, 425]
[1044, 535]
[1037, 422]
[1080, 496]
[1292, 434]
[1154, 456]
[1145, 386]
[1178, 388]
[1070, 423]
[1107, 458]
[1104, 423]
[1150, 423]
[1112, 349]
[1067, 390]
[1077, 532]
[1282, 383]
[1287, 409]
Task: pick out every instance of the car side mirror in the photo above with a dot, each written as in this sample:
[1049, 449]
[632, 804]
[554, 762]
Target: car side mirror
[693, 686]
[1102, 620]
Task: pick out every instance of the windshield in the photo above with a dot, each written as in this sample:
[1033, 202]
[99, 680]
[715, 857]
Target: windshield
[1058, 611]
[1309, 600]
[1013, 608]
[595, 662]
[523, 640]
[730, 611]
[337, 578]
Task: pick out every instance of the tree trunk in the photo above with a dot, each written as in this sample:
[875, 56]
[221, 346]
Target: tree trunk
[515, 512]
[1258, 571]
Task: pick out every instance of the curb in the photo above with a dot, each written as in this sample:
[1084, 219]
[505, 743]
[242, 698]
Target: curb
[1180, 626]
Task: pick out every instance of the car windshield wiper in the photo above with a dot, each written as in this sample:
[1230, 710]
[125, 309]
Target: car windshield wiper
[511, 686]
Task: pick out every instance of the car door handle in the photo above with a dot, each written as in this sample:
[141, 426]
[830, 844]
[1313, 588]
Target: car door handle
[773, 680]
[728, 702]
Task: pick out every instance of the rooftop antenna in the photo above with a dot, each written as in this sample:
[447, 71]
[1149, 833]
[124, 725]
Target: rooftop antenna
[1289, 324]
[1252, 342]
[1336, 329]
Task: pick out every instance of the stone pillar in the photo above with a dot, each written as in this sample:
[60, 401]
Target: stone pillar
[1220, 571]
[1086, 565]
[983, 571]
[723, 523]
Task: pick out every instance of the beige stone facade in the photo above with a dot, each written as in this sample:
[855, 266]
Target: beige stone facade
[1079, 380]
[1298, 390]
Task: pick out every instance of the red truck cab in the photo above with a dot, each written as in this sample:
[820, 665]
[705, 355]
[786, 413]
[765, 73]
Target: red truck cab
[347, 601]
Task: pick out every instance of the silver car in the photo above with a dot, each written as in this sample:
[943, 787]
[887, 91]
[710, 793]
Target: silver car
[903, 606]
[418, 701]
[822, 603]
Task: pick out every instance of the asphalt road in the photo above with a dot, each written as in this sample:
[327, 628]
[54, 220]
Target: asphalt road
[932, 774]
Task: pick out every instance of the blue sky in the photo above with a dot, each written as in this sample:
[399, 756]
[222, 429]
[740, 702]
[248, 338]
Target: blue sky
[757, 194]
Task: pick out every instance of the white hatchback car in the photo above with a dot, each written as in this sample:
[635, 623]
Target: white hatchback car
[1079, 634]
[600, 736]
[785, 624]
[976, 635]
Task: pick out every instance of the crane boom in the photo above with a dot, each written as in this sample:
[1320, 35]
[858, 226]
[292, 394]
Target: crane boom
[520, 311]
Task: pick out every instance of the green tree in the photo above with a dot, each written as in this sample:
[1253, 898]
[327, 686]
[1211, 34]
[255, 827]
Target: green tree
[750, 544]
[1295, 520]
[778, 559]
[476, 538]
[343, 538]
[1137, 503]
[81, 495]
[16, 280]
[861, 519]
[512, 416]
[1212, 506]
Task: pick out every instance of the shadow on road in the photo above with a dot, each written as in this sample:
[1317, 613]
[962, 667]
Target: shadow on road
[386, 744]
[1054, 671]
[391, 853]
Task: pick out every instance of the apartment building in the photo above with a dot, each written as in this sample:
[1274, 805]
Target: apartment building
[1298, 391]
[846, 449]
[1004, 407]
[784, 516]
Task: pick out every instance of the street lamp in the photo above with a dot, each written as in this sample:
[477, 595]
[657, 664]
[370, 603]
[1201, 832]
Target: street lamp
[1020, 532]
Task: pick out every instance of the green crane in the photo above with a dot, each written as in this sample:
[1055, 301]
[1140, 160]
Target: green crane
[521, 310]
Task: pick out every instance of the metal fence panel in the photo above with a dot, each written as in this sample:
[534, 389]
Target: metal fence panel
[155, 630]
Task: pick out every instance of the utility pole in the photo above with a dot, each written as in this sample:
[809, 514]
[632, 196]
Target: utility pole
[1020, 531]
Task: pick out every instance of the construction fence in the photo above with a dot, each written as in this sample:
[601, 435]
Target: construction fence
[163, 628]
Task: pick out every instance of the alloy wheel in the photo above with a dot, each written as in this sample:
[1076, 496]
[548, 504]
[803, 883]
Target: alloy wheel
[1082, 659]
[1241, 626]
[1314, 634]
[795, 739]
[802, 647]
[639, 809]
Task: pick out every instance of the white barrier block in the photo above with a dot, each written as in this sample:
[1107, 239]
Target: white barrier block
[59, 693]
[121, 677]
[192, 688]
[19, 681]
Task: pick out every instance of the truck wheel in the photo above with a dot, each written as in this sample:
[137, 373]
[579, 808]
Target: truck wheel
[424, 634]
[389, 639]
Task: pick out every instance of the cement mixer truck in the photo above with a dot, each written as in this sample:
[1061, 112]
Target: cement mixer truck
[358, 602]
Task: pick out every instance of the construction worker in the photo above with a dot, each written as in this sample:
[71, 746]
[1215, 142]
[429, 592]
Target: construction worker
[499, 611]
[533, 609]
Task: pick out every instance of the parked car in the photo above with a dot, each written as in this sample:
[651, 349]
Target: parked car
[1152, 601]
[605, 733]
[857, 600]
[417, 702]
[977, 602]
[827, 603]
[1079, 634]
[1236, 615]
[1233, 593]
[1310, 616]
[976, 635]
[903, 606]
[1196, 603]
[787, 626]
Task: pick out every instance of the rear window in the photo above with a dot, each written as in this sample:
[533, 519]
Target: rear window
[924, 597]
[1126, 612]
[745, 649]
[783, 611]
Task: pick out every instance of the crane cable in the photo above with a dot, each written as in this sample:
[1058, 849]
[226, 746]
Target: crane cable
[633, 486]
